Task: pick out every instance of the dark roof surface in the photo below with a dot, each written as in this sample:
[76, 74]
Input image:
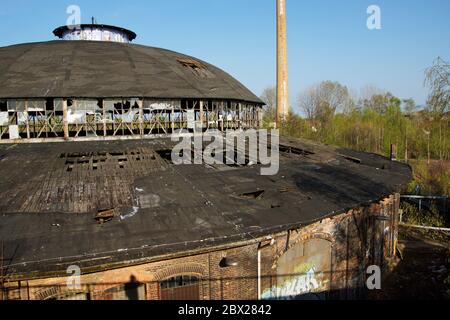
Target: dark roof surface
[59, 32]
[166, 209]
[93, 69]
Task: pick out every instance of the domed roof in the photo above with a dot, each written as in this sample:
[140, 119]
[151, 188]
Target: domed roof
[91, 69]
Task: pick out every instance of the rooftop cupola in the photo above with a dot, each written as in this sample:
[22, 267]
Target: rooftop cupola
[95, 32]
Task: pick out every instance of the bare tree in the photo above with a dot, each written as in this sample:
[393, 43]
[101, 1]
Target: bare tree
[437, 78]
[322, 101]
[308, 102]
[269, 97]
[369, 91]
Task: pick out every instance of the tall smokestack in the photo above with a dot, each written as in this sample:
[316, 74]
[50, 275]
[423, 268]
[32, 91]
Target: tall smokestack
[282, 65]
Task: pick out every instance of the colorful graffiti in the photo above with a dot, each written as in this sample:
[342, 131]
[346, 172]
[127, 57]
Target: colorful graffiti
[295, 286]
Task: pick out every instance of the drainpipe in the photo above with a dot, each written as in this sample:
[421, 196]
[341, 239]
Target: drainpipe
[260, 248]
[259, 271]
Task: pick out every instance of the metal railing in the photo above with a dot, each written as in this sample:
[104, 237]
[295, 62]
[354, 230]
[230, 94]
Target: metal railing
[419, 201]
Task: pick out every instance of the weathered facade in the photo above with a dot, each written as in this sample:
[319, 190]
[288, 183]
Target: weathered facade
[327, 259]
[194, 231]
[87, 184]
[97, 90]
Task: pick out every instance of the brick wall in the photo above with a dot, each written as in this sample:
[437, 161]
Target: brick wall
[358, 238]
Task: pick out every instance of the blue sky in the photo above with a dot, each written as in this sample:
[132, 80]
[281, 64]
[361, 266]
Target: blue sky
[328, 39]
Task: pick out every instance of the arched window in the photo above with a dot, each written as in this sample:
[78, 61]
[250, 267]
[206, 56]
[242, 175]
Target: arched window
[132, 290]
[303, 272]
[180, 288]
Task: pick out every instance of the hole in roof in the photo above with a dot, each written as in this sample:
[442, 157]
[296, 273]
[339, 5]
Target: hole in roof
[117, 154]
[198, 68]
[166, 155]
[76, 155]
[81, 160]
[252, 195]
[103, 216]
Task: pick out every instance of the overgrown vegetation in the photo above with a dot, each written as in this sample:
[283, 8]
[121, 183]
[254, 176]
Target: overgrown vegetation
[430, 179]
[374, 120]
[427, 217]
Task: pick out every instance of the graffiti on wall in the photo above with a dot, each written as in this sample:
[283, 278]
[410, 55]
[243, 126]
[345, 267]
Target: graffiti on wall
[296, 285]
[303, 272]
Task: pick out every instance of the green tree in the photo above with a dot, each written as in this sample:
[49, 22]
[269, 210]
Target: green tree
[409, 106]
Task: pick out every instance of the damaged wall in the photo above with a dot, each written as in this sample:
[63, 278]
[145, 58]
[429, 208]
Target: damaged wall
[325, 260]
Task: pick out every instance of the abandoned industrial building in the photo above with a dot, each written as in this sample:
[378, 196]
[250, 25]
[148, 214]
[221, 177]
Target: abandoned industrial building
[86, 182]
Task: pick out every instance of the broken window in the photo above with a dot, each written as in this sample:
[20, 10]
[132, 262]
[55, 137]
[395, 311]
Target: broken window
[198, 68]
[4, 117]
[33, 106]
[122, 117]
[180, 281]
[3, 106]
[16, 105]
[49, 105]
[180, 288]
